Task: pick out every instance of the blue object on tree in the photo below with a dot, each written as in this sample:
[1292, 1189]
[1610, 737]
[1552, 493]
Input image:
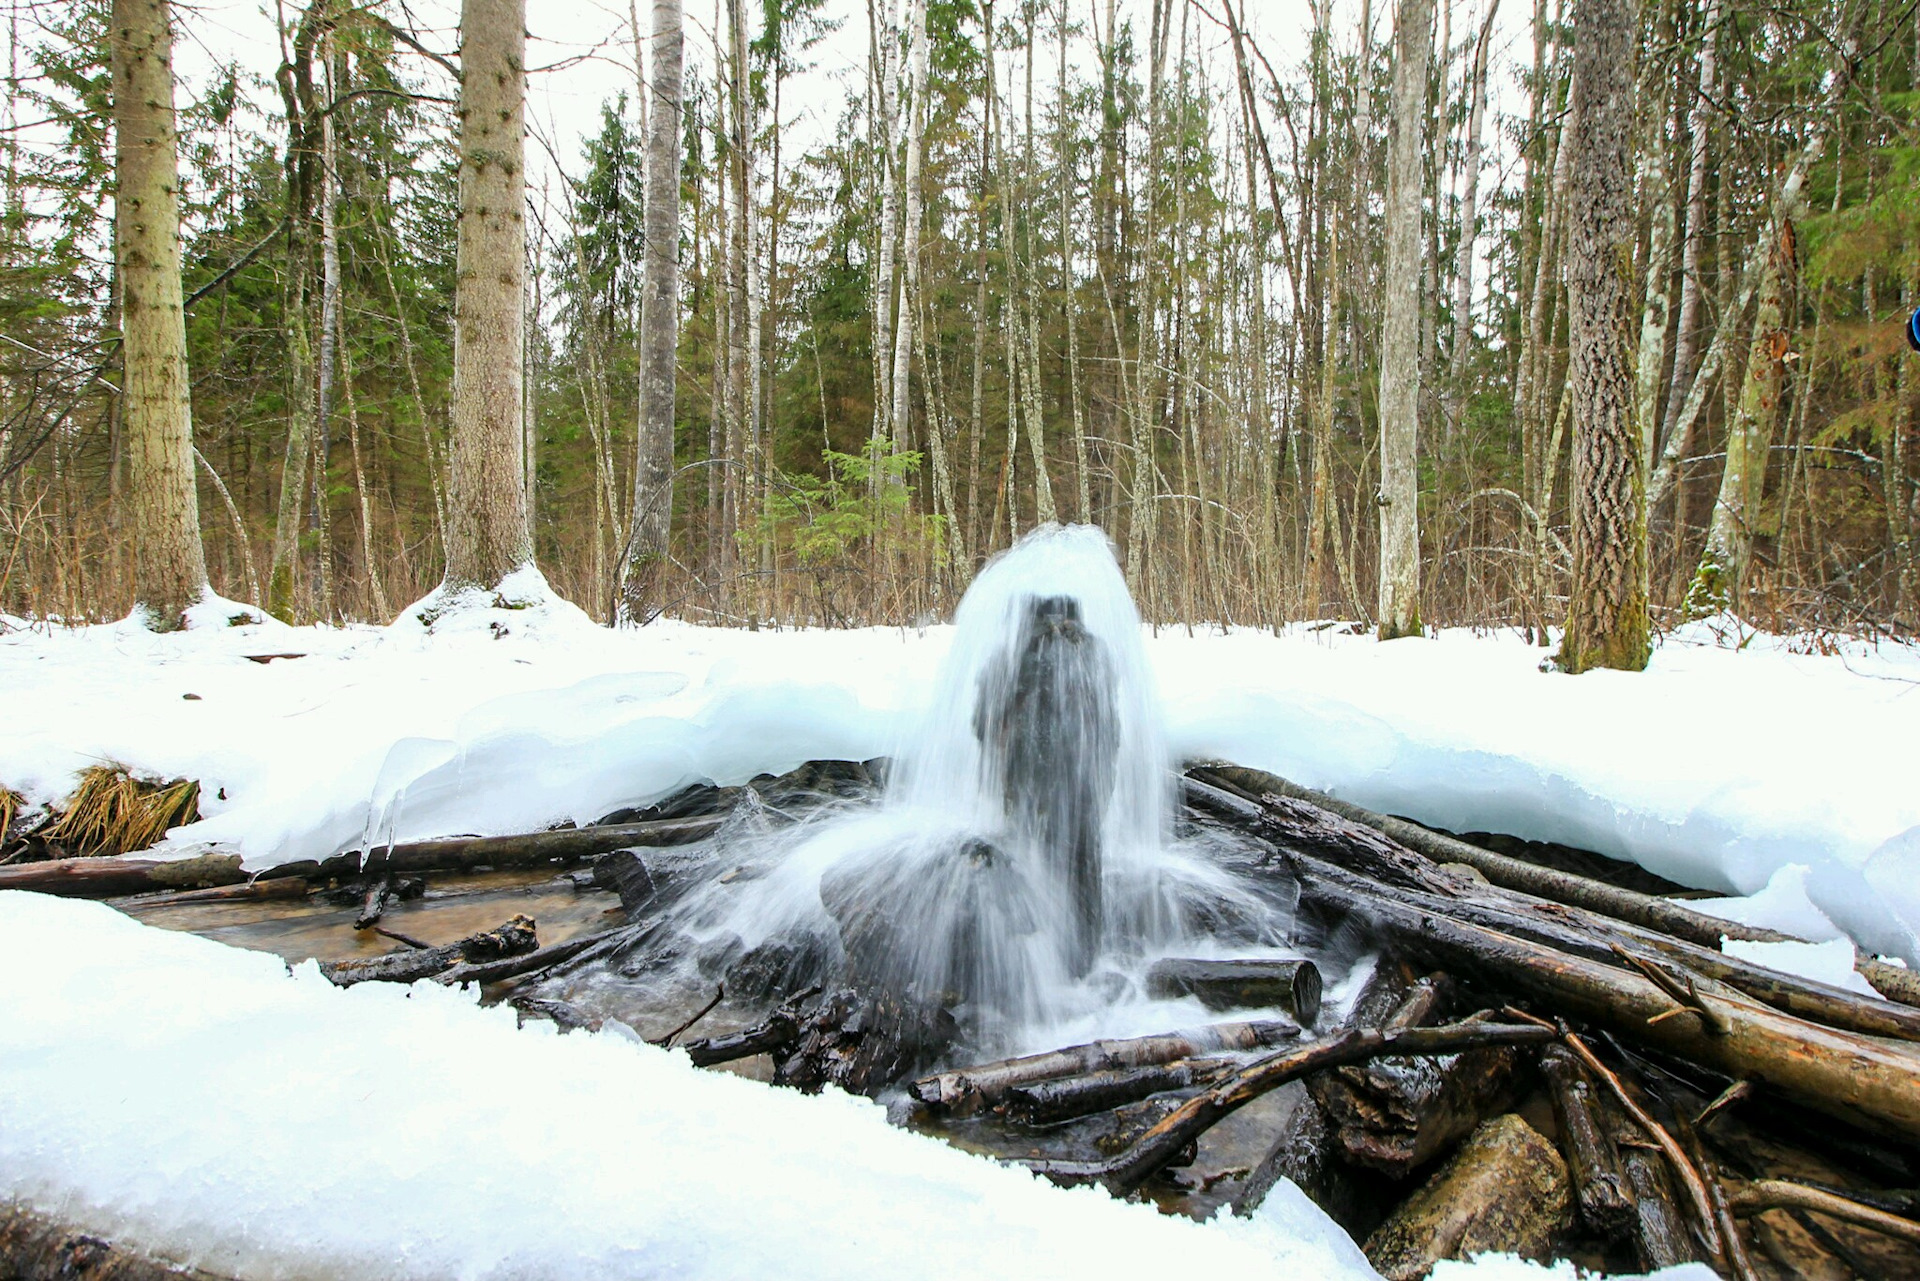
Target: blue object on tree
[1913, 330]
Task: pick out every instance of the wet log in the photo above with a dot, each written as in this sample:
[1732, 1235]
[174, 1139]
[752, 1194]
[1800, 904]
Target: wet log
[1302, 827]
[1071, 1097]
[1504, 1191]
[625, 873]
[963, 1091]
[379, 894]
[777, 1031]
[1774, 1194]
[36, 1246]
[1394, 1115]
[1436, 918]
[864, 1040]
[564, 1015]
[1599, 1187]
[514, 938]
[1664, 916]
[264, 890]
[1291, 985]
[1126, 1171]
[528, 849]
[121, 875]
[534, 962]
[1660, 1235]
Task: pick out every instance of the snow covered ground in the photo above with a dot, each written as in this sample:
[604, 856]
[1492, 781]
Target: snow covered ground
[1755, 771]
[205, 1101]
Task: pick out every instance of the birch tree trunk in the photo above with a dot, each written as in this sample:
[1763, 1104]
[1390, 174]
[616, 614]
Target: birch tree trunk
[1607, 624]
[1469, 223]
[1720, 581]
[487, 533]
[648, 543]
[882, 22]
[1400, 332]
[170, 570]
[916, 114]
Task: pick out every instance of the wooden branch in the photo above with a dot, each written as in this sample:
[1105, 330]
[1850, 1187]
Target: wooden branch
[1064, 1099]
[1159, 1145]
[1780, 1194]
[719, 995]
[1600, 1189]
[514, 938]
[512, 967]
[965, 1090]
[1648, 911]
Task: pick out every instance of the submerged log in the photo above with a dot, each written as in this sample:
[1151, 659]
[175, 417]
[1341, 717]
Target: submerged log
[514, 938]
[1291, 985]
[1307, 1152]
[119, 875]
[1600, 1189]
[1648, 911]
[962, 1091]
[1071, 1097]
[36, 1246]
[263, 890]
[1504, 1191]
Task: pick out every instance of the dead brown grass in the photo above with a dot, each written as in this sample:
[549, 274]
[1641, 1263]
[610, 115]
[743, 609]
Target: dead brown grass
[10, 803]
[112, 812]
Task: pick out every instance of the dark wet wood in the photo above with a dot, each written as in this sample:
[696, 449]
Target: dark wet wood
[533, 962]
[863, 1040]
[529, 849]
[379, 894]
[1504, 1191]
[1773, 1194]
[37, 1246]
[1600, 1188]
[1291, 985]
[1129, 1169]
[1064, 1099]
[962, 1091]
[1647, 911]
[1554, 955]
[516, 937]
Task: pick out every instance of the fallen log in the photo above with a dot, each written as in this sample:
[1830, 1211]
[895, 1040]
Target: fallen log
[1155, 1149]
[1504, 1191]
[962, 1091]
[863, 1040]
[379, 894]
[1599, 1187]
[119, 875]
[263, 890]
[1648, 911]
[1368, 854]
[514, 938]
[1291, 985]
[1436, 919]
[527, 849]
[777, 1030]
[1068, 1098]
[1307, 1152]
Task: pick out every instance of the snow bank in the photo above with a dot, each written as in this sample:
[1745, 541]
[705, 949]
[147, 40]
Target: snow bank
[206, 1103]
[1716, 767]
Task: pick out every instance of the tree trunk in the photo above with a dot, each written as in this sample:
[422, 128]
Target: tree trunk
[1720, 582]
[648, 544]
[170, 570]
[1469, 224]
[1399, 496]
[1607, 623]
[487, 532]
[904, 332]
[1686, 341]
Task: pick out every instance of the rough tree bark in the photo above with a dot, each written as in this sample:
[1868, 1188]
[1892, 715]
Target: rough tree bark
[1607, 624]
[487, 531]
[647, 543]
[1399, 496]
[170, 570]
